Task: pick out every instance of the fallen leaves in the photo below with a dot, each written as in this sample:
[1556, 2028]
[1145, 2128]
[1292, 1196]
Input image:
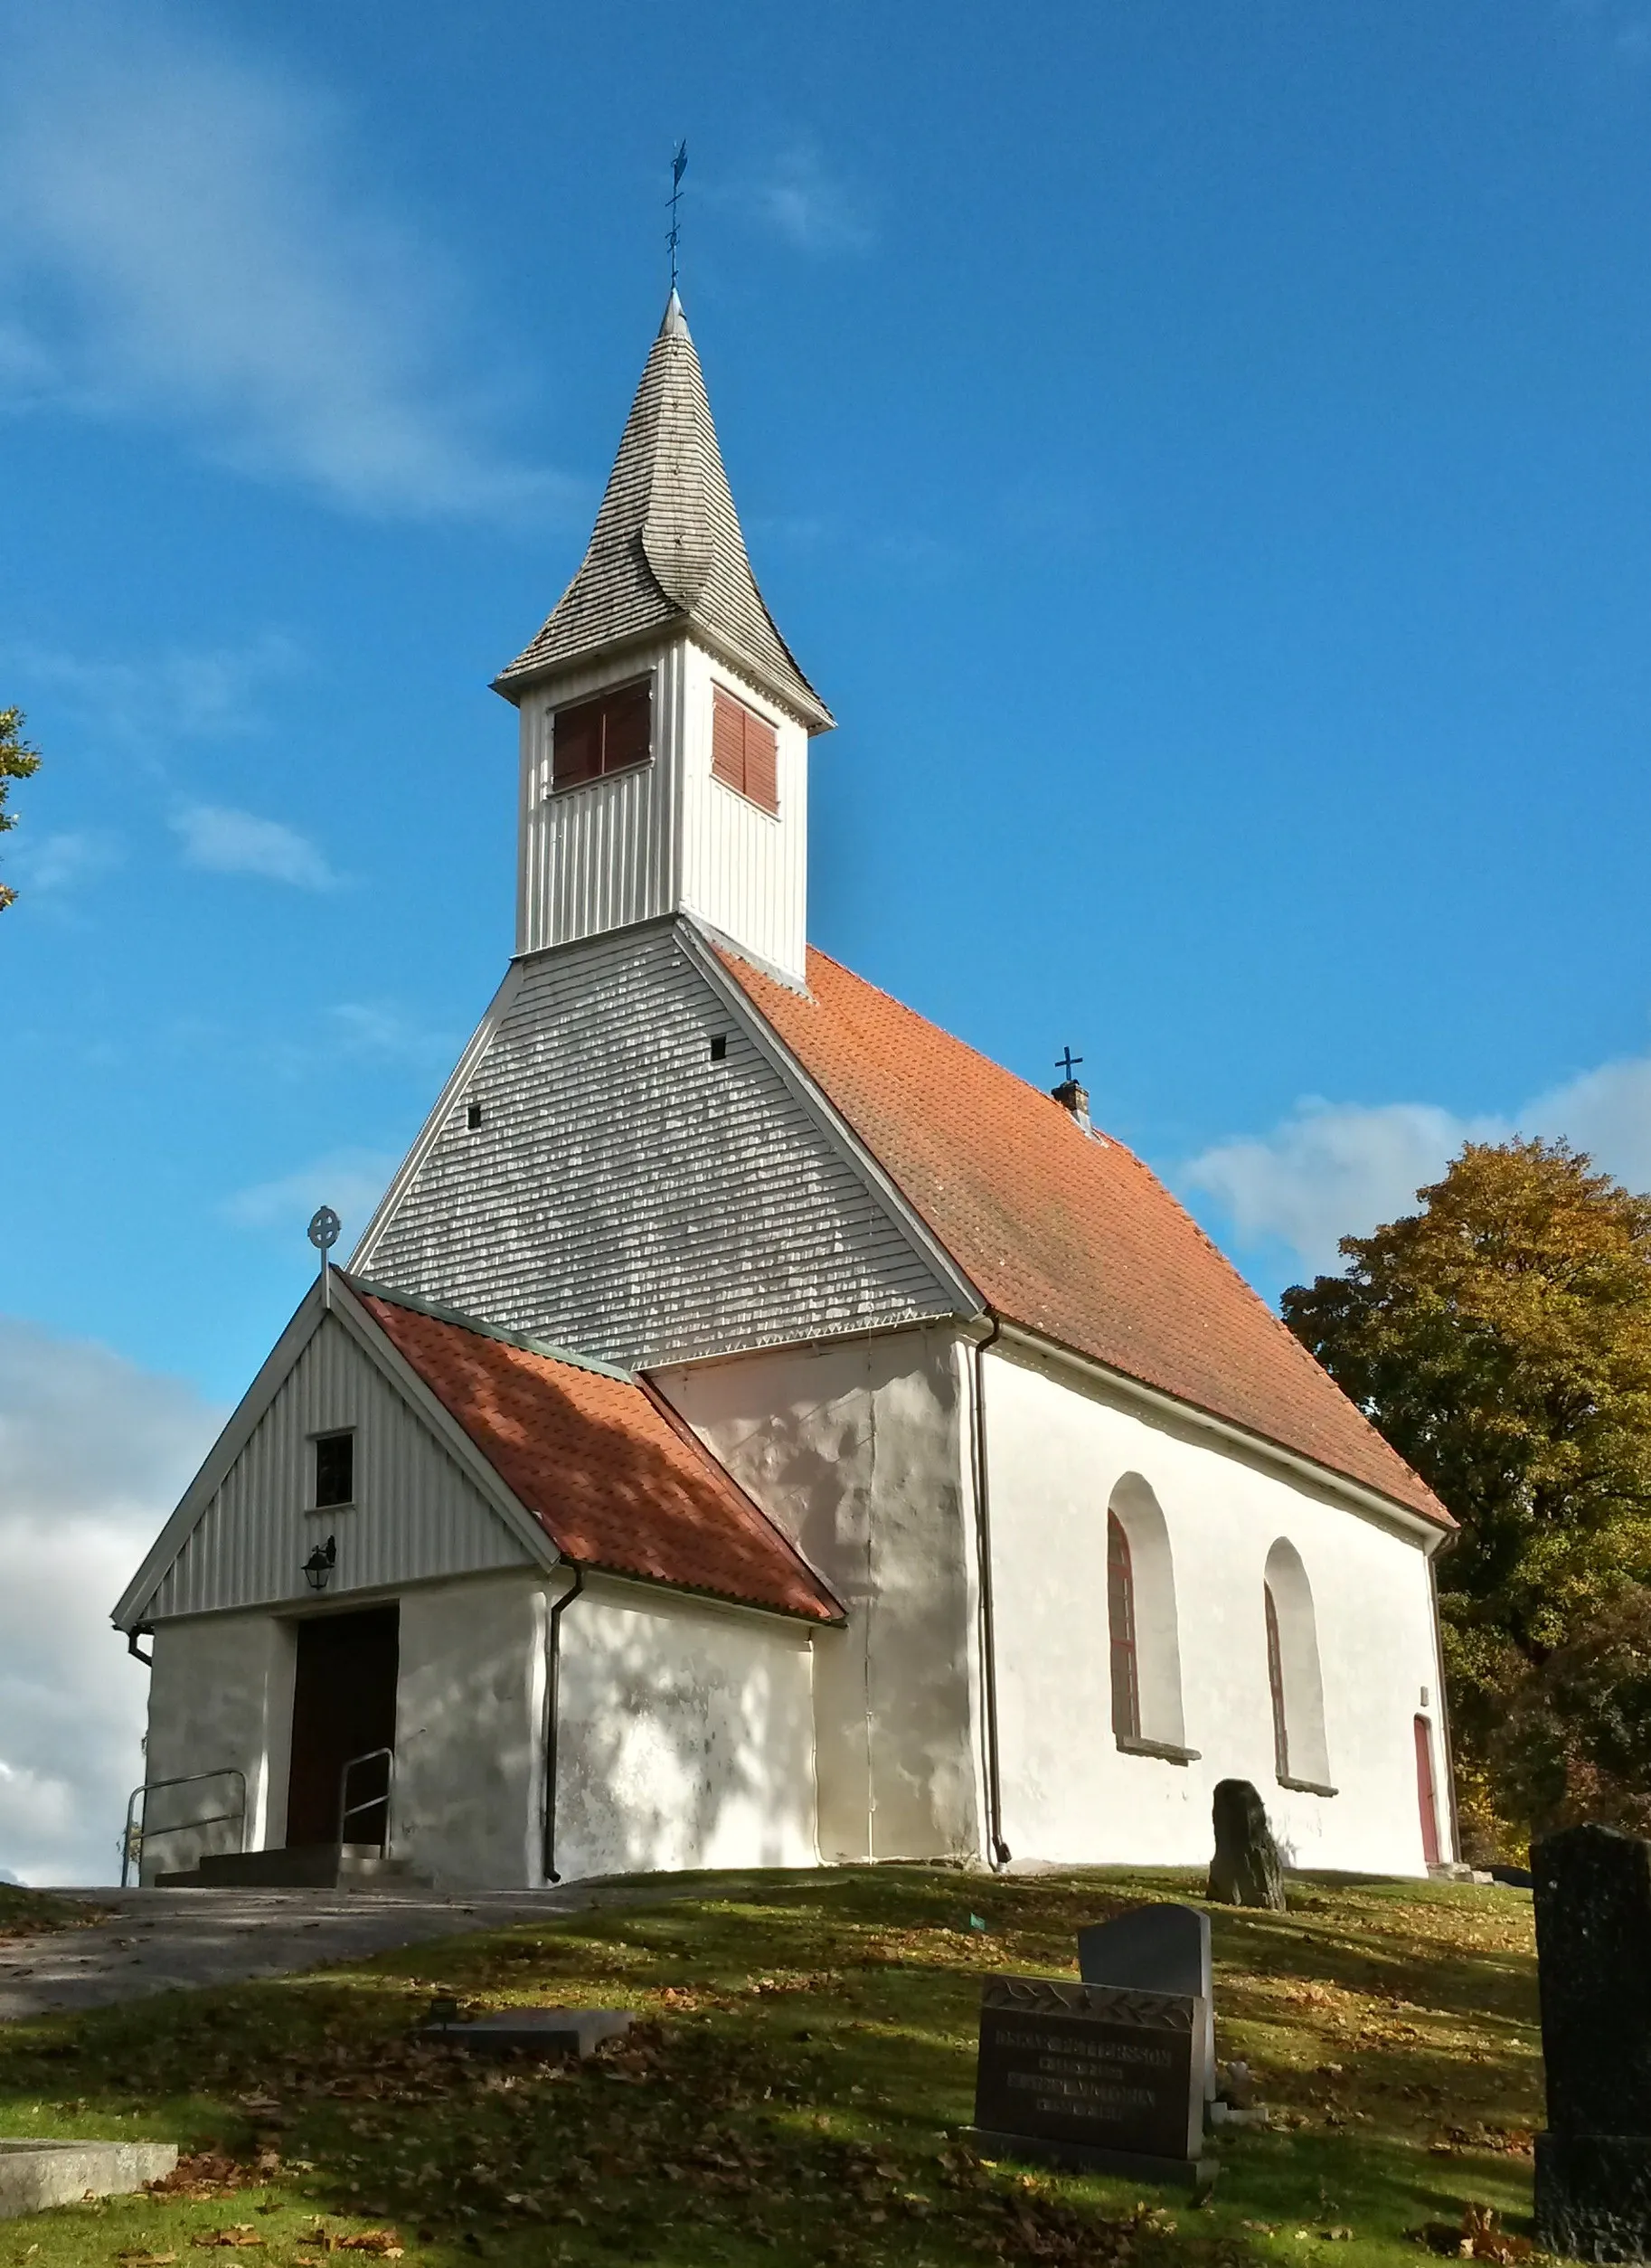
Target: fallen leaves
[1478, 2236]
[242, 2235]
[203, 2176]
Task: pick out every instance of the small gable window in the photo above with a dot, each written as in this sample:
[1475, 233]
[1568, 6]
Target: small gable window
[592, 738]
[744, 751]
[334, 1470]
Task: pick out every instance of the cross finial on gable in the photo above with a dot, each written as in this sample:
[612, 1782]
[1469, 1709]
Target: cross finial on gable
[1066, 1062]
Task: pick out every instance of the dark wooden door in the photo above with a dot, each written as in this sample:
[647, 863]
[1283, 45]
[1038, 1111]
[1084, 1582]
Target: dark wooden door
[1426, 1794]
[342, 1707]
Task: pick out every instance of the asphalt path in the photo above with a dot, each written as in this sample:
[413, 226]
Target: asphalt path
[143, 1942]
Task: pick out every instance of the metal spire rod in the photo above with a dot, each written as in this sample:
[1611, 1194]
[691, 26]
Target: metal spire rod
[679, 166]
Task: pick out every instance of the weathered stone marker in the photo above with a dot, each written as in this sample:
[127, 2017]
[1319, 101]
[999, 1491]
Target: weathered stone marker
[573, 2031]
[35, 2175]
[1246, 1868]
[1096, 2077]
[1592, 1893]
[1156, 1949]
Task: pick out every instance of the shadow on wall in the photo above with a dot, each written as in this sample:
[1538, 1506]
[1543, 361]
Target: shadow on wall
[686, 1741]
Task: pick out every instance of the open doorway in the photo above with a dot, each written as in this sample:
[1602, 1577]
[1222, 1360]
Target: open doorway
[342, 1708]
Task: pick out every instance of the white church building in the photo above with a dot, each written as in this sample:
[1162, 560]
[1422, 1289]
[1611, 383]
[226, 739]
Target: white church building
[755, 1430]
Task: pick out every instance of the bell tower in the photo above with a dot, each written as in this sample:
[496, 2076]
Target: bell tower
[664, 723]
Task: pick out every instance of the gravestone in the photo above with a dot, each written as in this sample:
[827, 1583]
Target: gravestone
[1592, 1893]
[577, 2033]
[1246, 1868]
[1099, 2078]
[1156, 1949]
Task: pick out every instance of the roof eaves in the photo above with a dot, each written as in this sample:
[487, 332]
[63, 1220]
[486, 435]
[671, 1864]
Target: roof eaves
[1441, 1523]
[523, 1339]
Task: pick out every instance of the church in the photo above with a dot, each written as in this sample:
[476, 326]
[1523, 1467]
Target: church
[755, 1430]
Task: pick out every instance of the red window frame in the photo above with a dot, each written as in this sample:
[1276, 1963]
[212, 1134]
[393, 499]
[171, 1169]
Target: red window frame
[612, 732]
[1120, 1625]
[744, 752]
[1275, 1681]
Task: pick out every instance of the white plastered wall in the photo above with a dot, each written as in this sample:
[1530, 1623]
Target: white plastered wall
[1059, 1443]
[219, 1694]
[686, 1735]
[855, 1448]
[469, 1732]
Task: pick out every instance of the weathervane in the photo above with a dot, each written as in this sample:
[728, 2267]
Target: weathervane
[324, 1234]
[679, 166]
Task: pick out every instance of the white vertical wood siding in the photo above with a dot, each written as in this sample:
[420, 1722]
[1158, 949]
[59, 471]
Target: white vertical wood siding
[745, 870]
[627, 1197]
[417, 1516]
[599, 855]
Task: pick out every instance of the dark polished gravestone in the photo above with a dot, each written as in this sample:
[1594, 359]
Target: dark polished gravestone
[1098, 2078]
[1156, 1949]
[1592, 1895]
[1246, 1869]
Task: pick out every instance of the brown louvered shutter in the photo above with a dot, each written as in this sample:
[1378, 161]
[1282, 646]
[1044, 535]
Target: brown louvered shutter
[577, 749]
[727, 740]
[628, 726]
[761, 763]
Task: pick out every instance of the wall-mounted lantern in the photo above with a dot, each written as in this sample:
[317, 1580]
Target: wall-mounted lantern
[320, 1564]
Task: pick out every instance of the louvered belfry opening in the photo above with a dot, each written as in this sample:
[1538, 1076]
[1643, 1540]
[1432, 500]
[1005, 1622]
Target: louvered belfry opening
[609, 734]
[744, 751]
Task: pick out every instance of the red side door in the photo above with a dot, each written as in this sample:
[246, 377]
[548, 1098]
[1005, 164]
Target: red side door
[1425, 1794]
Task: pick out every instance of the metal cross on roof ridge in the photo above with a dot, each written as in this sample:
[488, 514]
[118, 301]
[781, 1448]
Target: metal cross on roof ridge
[679, 166]
[1066, 1062]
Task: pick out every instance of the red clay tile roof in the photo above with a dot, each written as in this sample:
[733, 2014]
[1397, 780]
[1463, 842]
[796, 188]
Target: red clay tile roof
[1064, 1234]
[613, 1476]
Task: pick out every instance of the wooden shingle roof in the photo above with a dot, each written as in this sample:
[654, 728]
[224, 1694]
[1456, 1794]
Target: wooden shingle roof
[667, 547]
[1066, 1233]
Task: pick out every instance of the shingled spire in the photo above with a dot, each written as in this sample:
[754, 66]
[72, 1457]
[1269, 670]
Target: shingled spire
[667, 549]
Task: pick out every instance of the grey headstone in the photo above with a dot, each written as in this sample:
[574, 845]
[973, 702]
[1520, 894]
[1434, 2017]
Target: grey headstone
[35, 2175]
[1592, 1894]
[576, 2032]
[1156, 1949]
[1246, 1869]
[1093, 2076]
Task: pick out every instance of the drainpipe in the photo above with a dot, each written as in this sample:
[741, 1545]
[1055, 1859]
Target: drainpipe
[552, 1694]
[1448, 1544]
[997, 1851]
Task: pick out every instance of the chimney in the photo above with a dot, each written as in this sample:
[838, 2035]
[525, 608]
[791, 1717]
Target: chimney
[1072, 1097]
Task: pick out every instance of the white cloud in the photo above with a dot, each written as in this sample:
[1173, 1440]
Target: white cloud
[801, 200]
[1331, 1170]
[228, 842]
[352, 1181]
[201, 693]
[188, 237]
[94, 1452]
[55, 864]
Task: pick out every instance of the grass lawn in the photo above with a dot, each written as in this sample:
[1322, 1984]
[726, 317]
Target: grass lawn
[804, 2050]
[26, 1913]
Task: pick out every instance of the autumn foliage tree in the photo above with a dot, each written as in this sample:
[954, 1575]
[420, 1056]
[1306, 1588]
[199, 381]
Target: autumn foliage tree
[18, 761]
[1500, 1337]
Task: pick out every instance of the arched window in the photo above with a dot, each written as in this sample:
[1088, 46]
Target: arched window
[1300, 1754]
[1146, 1645]
[1121, 1617]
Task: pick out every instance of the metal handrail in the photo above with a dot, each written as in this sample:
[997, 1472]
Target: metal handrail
[137, 1833]
[347, 1811]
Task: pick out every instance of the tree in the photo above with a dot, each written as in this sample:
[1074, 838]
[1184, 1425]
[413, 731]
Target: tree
[1501, 1339]
[18, 761]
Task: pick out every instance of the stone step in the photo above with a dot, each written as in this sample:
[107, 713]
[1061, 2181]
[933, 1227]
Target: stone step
[311, 1866]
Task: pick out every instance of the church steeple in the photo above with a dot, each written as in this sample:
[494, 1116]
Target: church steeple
[665, 721]
[668, 546]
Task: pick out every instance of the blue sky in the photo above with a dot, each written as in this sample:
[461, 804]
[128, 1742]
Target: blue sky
[1202, 453]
